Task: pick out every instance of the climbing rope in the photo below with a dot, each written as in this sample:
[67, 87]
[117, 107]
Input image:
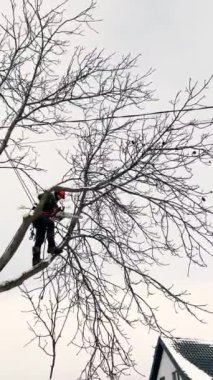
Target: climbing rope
[23, 184]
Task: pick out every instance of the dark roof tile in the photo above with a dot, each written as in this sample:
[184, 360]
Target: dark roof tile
[196, 352]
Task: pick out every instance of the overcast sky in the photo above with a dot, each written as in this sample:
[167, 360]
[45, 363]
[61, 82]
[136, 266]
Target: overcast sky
[175, 38]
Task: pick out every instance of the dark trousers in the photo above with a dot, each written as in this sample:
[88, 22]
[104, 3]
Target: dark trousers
[44, 226]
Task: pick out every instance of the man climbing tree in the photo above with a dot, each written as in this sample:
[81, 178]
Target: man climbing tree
[44, 225]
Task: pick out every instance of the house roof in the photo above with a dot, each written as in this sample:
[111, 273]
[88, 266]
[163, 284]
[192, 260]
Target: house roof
[192, 358]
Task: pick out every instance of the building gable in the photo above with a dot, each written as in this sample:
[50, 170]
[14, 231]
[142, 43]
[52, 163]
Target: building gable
[167, 369]
[172, 364]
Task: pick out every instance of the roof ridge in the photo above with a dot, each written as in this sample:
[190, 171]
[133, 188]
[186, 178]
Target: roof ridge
[178, 339]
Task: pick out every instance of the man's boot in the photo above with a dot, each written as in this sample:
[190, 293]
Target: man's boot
[36, 255]
[54, 250]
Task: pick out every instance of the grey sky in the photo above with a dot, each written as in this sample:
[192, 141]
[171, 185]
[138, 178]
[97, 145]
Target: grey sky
[175, 38]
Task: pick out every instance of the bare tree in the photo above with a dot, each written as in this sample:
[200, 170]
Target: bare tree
[50, 318]
[129, 178]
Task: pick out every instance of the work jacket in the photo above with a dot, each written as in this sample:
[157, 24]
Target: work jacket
[50, 207]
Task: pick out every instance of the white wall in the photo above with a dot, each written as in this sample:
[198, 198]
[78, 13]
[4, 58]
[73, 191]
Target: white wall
[166, 368]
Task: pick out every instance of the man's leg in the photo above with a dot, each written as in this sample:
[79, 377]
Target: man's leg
[50, 235]
[51, 238]
[39, 239]
[36, 256]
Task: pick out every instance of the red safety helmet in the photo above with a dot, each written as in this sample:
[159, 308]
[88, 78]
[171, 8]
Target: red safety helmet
[60, 193]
